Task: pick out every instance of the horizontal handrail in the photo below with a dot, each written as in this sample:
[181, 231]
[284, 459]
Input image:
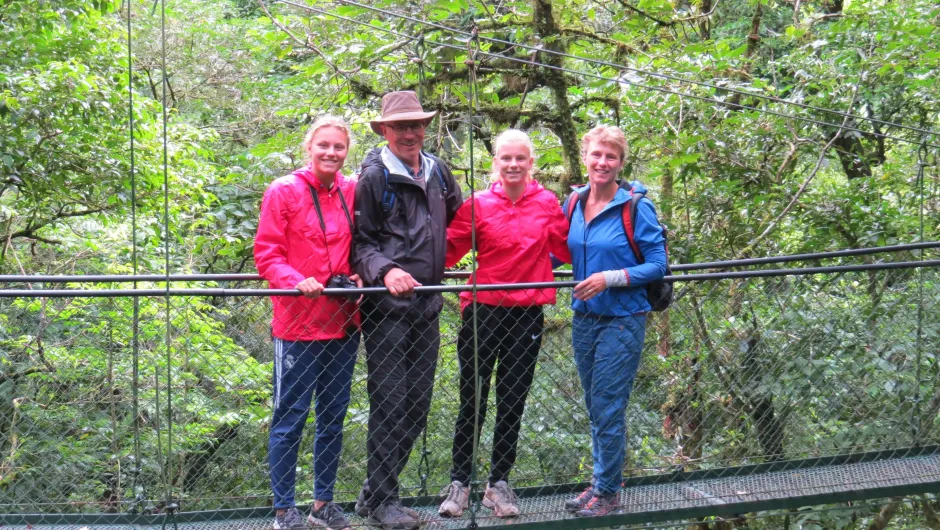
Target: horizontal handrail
[130, 278]
[119, 293]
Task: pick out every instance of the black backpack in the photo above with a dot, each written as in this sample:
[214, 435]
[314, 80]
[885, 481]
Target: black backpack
[659, 293]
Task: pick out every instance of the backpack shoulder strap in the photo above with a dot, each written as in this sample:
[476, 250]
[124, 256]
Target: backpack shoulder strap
[572, 204]
[440, 176]
[388, 195]
[628, 216]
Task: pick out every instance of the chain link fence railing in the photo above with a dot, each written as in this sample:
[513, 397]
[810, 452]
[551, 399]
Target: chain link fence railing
[103, 411]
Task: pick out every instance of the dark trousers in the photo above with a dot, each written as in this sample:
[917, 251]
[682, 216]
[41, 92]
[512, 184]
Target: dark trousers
[302, 370]
[401, 355]
[508, 341]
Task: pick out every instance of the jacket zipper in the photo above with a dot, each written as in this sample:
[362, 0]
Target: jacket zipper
[584, 238]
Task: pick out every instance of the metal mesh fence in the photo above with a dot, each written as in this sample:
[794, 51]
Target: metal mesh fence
[737, 372]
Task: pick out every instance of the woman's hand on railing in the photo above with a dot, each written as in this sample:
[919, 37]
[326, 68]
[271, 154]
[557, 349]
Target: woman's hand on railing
[311, 288]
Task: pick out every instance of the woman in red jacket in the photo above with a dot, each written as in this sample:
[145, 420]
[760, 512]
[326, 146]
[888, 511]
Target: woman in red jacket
[303, 241]
[518, 223]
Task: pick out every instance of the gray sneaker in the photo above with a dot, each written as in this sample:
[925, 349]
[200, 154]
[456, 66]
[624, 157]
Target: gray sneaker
[458, 500]
[290, 520]
[500, 498]
[392, 516]
[329, 516]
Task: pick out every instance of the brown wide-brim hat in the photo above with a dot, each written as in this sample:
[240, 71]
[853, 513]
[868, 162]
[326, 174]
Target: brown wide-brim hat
[401, 106]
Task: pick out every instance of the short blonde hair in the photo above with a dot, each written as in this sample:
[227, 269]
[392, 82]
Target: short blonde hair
[327, 120]
[507, 137]
[605, 134]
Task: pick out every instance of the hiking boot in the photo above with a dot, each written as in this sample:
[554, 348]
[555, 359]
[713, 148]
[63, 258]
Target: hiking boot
[290, 520]
[362, 509]
[458, 500]
[392, 516]
[600, 505]
[500, 498]
[411, 512]
[578, 503]
[329, 516]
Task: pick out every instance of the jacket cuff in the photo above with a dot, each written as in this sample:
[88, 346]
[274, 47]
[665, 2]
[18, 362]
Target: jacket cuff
[616, 278]
[383, 270]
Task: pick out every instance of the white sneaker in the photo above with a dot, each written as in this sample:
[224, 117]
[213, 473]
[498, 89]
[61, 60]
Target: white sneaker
[501, 499]
[458, 500]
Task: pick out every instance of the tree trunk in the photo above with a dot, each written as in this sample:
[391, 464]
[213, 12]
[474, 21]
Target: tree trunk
[769, 430]
[753, 42]
[195, 464]
[884, 517]
[704, 23]
[544, 23]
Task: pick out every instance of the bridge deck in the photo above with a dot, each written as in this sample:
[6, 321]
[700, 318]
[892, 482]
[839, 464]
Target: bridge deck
[649, 499]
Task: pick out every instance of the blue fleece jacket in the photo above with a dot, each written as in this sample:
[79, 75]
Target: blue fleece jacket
[602, 245]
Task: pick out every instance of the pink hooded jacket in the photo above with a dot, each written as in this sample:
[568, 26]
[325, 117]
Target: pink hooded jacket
[291, 246]
[513, 243]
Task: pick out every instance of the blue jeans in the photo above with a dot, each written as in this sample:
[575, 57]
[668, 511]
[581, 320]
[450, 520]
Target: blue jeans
[302, 369]
[607, 352]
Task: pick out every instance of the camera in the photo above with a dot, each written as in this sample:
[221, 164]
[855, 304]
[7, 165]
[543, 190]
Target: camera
[341, 281]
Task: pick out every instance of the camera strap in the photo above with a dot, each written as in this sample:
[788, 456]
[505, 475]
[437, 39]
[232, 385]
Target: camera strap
[316, 205]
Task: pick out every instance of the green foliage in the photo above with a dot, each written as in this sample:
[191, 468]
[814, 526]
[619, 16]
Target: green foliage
[244, 79]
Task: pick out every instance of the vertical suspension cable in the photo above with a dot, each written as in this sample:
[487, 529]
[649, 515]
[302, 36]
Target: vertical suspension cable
[419, 60]
[424, 465]
[170, 507]
[156, 380]
[472, 45]
[135, 325]
[916, 420]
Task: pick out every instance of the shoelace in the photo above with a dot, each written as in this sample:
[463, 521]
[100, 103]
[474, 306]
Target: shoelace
[397, 510]
[331, 511]
[454, 493]
[505, 493]
[292, 517]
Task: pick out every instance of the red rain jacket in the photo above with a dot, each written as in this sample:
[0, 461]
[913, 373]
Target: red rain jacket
[513, 243]
[291, 246]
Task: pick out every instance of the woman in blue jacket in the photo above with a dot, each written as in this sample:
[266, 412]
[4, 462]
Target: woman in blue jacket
[610, 306]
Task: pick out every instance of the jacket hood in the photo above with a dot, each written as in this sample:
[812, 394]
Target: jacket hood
[306, 174]
[621, 184]
[622, 194]
[373, 159]
[638, 186]
[532, 187]
[382, 157]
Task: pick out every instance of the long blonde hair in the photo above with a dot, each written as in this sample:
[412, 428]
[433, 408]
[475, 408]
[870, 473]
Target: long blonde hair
[510, 136]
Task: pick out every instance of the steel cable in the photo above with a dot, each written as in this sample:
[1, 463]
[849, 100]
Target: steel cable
[540, 49]
[734, 106]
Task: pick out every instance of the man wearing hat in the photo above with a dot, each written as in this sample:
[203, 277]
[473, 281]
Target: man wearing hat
[405, 198]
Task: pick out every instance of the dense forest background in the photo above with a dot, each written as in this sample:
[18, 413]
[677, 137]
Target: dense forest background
[723, 105]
